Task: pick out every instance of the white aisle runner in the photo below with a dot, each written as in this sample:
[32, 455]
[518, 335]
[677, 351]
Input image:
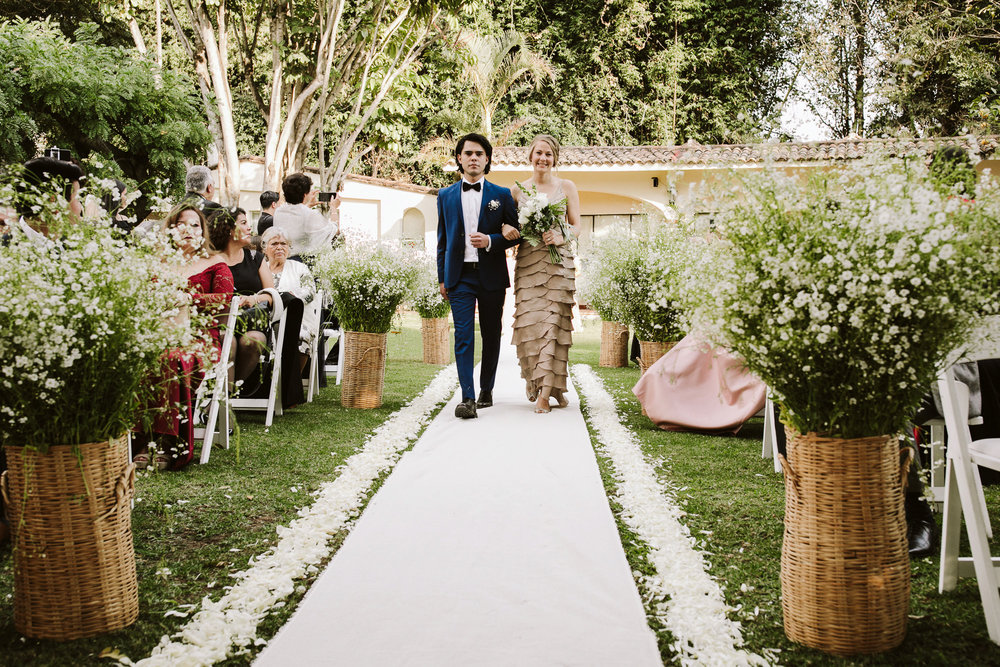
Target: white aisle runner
[491, 543]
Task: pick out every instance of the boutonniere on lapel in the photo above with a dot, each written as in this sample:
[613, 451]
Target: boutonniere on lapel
[493, 205]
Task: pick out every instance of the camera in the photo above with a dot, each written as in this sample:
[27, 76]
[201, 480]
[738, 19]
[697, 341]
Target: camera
[326, 196]
[61, 154]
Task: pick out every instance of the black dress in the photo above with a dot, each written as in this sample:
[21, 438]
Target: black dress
[246, 280]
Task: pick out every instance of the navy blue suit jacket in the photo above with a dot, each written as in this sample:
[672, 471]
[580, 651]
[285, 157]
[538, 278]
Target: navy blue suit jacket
[451, 235]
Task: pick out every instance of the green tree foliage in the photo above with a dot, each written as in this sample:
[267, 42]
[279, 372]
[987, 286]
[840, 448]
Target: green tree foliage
[943, 75]
[96, 100]
[654, 71]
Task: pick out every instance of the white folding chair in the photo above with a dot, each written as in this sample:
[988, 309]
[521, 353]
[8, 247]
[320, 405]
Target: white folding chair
[272, 404]
[315, 308]
[769, 443]
[334, 369]
[964, 497]
[216, 381]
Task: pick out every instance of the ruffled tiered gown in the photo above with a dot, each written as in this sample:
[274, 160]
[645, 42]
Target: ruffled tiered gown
[543, 316]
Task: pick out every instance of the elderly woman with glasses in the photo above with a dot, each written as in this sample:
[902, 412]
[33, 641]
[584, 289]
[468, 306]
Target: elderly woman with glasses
[291, 277]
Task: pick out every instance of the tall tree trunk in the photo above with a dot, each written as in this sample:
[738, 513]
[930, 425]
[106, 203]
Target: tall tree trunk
[216, 59]
[860, 20]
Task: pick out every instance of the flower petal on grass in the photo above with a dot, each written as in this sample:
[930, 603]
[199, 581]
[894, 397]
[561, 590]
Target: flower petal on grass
[696, 612]
[228, 626]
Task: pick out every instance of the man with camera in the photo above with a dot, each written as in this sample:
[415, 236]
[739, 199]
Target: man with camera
[307, 230]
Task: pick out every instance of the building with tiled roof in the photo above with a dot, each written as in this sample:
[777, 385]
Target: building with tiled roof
[617, 184]
[627, 184]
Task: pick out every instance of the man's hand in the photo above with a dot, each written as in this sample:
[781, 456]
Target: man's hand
[479, 240]
[444, 292]
[510, 233]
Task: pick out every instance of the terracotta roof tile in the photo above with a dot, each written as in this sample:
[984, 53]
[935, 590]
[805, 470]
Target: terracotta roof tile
[697, 154]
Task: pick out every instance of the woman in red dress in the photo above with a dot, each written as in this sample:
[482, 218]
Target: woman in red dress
[211, 284]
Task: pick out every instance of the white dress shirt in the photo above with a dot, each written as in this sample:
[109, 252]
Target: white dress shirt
[308, 231]
[472, 202]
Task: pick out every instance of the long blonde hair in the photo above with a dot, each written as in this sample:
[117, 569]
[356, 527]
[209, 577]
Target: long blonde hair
[551, 141]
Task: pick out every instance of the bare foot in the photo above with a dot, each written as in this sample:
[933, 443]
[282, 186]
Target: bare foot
[542, 406]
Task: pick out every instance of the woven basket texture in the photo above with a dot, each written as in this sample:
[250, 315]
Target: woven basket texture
[650, 352]
[845, 570]
[435, 336]
[71, 517]
[614, 345]
[364, 369]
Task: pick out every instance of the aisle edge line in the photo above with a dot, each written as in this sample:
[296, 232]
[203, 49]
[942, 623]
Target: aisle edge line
[696, 611]
[232, 621]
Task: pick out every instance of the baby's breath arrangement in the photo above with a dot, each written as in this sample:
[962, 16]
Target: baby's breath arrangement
[846, 291]
[426, 297]
[84, 321]
[599, 284]
[637, 278]
[367, 280]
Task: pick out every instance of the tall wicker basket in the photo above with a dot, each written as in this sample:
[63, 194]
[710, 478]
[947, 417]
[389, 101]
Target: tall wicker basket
[435, 336]
[74, 563]
[651, 351]
[614, 345]
[845, 570]
[364, 369]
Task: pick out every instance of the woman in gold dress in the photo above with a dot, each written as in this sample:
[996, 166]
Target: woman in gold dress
[543, 290]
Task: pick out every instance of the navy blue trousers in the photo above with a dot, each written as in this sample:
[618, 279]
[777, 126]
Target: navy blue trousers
[463, 298]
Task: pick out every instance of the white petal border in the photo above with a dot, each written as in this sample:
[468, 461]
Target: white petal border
[229, 626]
[696, 612]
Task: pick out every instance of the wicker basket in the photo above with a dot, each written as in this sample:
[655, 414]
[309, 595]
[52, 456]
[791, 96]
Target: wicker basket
[435, 335]
[845, 570]
[74, 563]
[364, 369]
[651, 351]
[614, 345]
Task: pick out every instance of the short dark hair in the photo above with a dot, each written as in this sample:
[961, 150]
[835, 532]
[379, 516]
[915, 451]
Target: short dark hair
[268, 198]
[47, 172]
[478, 139]
[296, 186]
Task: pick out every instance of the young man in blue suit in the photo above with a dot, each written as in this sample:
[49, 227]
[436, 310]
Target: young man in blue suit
[472, 266]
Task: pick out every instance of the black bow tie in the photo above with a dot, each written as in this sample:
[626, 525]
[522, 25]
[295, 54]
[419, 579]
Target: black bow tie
[466, 186]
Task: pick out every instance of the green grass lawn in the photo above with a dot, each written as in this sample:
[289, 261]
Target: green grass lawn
[735, 504]
[204, 522]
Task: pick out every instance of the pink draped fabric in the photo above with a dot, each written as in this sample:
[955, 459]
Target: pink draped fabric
[696, 387]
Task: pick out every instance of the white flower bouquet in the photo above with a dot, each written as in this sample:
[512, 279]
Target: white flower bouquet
[536, 215]
[426, 296]
[846, 292]
[367, 281]
[84, 321]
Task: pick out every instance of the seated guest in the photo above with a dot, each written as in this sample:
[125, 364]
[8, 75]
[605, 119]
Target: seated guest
[307, 230]
[200, 186]
[231, 232]
[211, 283]
[268, 205]
[695, 387]
[293, 277]
[48, 173]
[229, 235]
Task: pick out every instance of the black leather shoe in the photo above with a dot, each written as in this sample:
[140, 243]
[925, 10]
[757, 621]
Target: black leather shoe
[485, 399]
[922, 537]
[466, 409]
